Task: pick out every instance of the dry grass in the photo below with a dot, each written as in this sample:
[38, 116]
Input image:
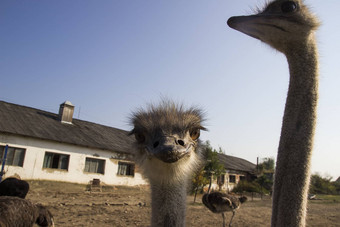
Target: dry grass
[130, 206]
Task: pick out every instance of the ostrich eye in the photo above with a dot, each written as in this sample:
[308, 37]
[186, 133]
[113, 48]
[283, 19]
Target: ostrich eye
[288, 7]
[194, 134]
[140, 137]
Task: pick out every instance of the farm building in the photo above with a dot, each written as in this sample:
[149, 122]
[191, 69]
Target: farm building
[49, 146]
[237, 169]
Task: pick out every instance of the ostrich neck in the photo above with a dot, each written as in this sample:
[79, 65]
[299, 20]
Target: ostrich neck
[168, 204]
[294, 155]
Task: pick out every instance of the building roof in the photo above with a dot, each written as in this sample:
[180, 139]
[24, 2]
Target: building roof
[338, 180]
[30, 122]
[237, 164]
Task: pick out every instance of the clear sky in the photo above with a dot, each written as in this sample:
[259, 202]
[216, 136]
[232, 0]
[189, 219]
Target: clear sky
[110, 57]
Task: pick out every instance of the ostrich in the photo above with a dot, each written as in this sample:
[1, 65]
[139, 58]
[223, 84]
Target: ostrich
[16, 211]
[218, 202]
[289, 26]
[12, 186]
[167, 151]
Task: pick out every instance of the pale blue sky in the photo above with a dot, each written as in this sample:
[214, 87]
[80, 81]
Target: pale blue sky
[110, 57]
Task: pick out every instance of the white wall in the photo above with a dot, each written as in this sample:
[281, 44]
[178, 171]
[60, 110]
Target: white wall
[34, 157]
[227, 186]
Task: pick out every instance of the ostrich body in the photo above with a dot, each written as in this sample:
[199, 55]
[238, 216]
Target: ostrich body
[12, 186]
[289, 27]
[16, 211]
[218, 202]
[168, 153]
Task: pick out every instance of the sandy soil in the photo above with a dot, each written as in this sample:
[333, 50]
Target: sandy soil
[72, 205]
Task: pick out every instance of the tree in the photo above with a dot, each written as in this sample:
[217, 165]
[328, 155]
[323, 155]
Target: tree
[221, 151]
[266, 184]
[266, 173]
[246, 186]
[213, 163]
[198, 181]
[267, 165]
[322, 185]
[212, 169]
[337, 187]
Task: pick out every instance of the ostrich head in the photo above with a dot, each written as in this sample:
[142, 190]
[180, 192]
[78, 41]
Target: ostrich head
[44, 217]
[167, 140]
[283, 24]
[243, 199]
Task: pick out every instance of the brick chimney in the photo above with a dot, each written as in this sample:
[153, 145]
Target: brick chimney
[66, 112]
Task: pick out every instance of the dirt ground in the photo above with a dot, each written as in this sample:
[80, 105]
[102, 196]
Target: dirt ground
[72, 205]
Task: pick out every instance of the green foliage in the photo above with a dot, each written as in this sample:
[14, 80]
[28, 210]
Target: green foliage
[263, 184]
[220, 150]
[267, 165]
[213, 164]
[323, 185]
[337, 187]
[266, 171]
[212, 168]
[199, 179]
[246, 186]
[266, 183]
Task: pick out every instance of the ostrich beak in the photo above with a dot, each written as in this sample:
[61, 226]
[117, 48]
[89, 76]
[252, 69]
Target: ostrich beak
[169, 149]
[247, 25]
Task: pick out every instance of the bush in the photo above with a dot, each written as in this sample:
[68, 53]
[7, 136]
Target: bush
[322, 185]
[246, 186]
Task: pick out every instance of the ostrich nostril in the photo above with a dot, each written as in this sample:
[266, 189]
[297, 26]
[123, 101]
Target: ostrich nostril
[156, 144]
[181, 142]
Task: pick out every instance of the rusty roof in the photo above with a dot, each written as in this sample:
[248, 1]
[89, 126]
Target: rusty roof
[30, 122]
[237, 164]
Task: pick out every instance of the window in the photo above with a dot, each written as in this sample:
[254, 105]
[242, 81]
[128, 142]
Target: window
[126, 169]
[93, 165]
[15, 156]
[242, 178]
[232, 179]
[56, 161]
[220, 180]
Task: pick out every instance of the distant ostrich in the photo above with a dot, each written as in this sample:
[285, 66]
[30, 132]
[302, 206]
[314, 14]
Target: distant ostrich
[16, 211]
[218, 202]
[288, 26]
[12, 186]
[168, 152]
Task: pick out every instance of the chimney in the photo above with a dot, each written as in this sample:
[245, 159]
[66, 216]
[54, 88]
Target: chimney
[66, 112]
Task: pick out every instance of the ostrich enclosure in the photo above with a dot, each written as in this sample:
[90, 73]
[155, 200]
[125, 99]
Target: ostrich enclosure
[72, 205]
